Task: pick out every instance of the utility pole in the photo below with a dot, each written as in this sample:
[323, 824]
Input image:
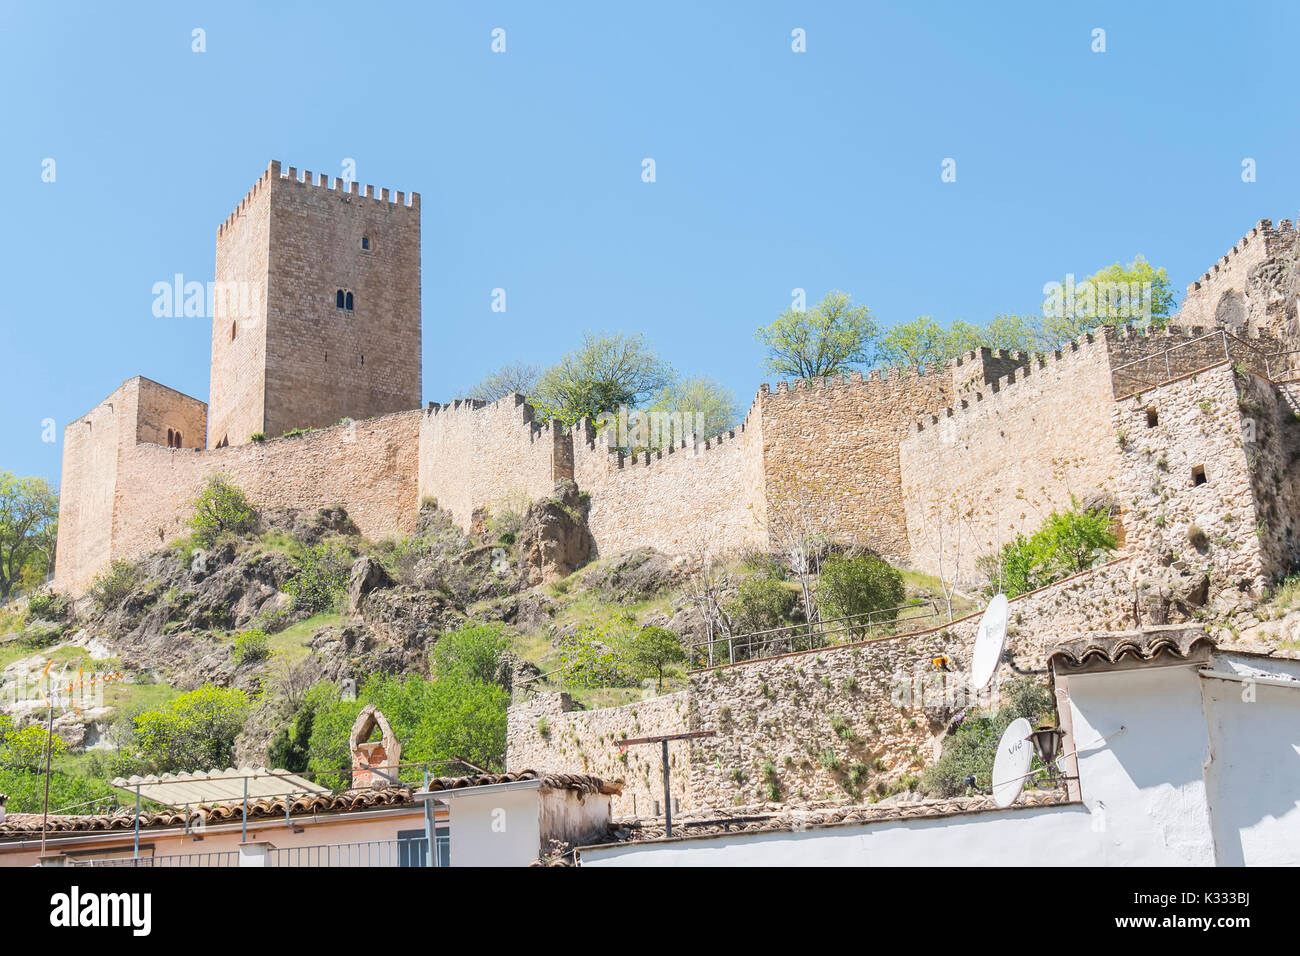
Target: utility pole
[663, 741]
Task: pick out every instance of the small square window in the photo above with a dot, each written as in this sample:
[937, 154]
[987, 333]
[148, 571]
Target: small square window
[1153, 418]
[1198, 476]
[365, 242]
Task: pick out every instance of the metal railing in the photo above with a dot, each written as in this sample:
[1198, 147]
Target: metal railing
[814, 635]
[218, 858]
[1196, 354]
[380, 853]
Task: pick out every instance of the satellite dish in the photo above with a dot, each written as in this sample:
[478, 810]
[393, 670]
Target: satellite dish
[1011, 765]
[988, 643]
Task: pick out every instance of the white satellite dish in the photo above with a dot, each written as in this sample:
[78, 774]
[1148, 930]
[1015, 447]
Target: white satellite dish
[1011, 765]
[989, 641]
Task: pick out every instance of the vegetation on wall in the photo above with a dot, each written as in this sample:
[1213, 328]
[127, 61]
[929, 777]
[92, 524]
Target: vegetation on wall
[970, 750]
[1068, 542]
[221, 508]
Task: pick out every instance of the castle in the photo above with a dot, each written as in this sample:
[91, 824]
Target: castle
[1188, 431]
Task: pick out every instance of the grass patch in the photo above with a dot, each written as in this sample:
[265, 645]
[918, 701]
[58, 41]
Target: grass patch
[291, 644]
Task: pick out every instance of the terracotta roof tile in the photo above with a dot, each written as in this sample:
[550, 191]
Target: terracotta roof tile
[20, 825]
[24, 824]
[778, 818]
[1175, 641]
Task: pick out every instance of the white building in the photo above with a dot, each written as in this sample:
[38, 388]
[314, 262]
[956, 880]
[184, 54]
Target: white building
[1180, 756]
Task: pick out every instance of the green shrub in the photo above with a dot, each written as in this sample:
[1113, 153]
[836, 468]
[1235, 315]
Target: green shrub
[112, 585]
[599, 655]
[257, 437]
[760, 603]
[322, 577]
[973, 746]
[195, 731]
[47, 605]
[221, 508]
[252, 647]
[849, 586]
[1067, 543]
[25, 749]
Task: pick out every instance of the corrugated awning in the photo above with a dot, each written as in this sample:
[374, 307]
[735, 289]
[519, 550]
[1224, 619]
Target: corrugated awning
[218, 786]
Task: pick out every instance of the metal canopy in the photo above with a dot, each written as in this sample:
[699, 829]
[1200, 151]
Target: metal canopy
[218, 786]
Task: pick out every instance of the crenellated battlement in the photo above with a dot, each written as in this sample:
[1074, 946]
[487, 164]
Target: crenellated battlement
[1263, 232]
[1032, 366]
[349, 189]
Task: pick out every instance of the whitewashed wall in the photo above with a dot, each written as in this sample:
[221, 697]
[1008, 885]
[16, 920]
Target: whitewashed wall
[1196, 777]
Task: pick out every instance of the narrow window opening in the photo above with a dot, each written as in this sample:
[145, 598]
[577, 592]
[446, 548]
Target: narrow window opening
[178, 440]
[365, 242]
[1198, 476]
[338, 299]
[1153, 418]
[233, 329]
[348, 306]
[363, 360]
[170, 440]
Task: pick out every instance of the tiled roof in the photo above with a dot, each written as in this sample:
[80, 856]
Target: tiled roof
[581, 782]
[351, 801]
[1175, 641]
[20, 825]
[780, 818]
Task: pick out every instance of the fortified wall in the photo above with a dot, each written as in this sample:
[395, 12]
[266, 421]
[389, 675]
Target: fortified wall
[125, 492]
[932, 467]
[494, 456]
[1000, 462]
[1253, 287]
[812, 725]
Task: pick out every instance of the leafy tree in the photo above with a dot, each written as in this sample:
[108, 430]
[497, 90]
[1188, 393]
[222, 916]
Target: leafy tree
[509, 379]
[919, 342]
[252, 647]
[112, 585]
[471, 653]
[29, 512]
[221, 508]
[655, 650]
[829, 339]
[761, 603]
[322, 576]
[25, 749]
[291, 747]
[608, 370]
[853, 585]
[599, 654]
[69, 793]
[1095, 300]
[195, 731]
[699, 399]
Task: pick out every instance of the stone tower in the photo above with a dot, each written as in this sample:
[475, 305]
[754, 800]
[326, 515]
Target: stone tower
[317, 308]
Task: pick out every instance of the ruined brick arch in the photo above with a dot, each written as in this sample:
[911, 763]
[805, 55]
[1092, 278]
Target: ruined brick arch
[369, 755]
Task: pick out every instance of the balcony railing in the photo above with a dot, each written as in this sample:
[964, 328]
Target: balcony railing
[220, 858]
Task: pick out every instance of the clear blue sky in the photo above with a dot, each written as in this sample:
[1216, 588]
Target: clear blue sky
[775, 170]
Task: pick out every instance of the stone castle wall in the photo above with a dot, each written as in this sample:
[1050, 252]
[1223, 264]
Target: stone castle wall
[688, 500]
[545, 732]
[1253, 287]
[302, 362]
[831, 454]
[1172, 516]
[142, 493]
[801, 721]
[1000, 462]
[237, 391]
[475, 455]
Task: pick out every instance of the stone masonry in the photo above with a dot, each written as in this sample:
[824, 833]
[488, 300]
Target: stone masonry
[927, 466]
